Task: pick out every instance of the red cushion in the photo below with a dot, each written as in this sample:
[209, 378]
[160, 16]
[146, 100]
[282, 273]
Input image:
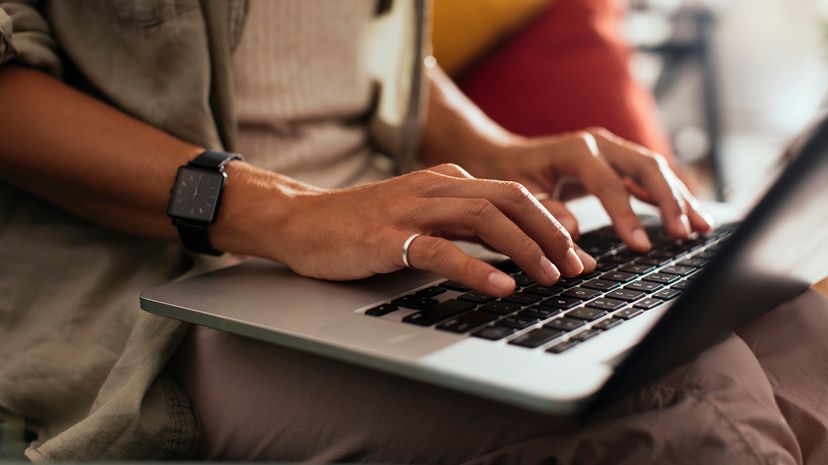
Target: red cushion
[567, 71]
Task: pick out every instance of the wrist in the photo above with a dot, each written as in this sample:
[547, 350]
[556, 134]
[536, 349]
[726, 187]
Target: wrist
[256, 204]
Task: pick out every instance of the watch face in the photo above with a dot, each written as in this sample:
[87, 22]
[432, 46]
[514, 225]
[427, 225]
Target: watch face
[195, 194]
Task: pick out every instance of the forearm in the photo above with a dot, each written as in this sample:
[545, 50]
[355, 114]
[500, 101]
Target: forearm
[456, 130]
[99, 163]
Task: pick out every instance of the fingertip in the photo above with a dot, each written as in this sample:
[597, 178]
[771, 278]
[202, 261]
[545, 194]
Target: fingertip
[501, 284]
[639, 241]
[589, 262]
[574, 265]
[703, 221]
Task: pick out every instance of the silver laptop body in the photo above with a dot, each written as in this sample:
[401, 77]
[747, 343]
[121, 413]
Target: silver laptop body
[266, 301]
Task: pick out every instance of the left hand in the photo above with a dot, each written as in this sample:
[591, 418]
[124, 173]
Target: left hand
[608, 167]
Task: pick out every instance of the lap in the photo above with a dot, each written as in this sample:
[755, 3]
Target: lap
[260, 401]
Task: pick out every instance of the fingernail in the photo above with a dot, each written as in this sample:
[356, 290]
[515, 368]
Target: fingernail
[574, 262]
[711, 223]
[550, 270]
[586, 259]
[641, 240]
[502, 282]
[685, 223]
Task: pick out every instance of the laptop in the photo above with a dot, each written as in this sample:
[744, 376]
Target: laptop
[563, 349]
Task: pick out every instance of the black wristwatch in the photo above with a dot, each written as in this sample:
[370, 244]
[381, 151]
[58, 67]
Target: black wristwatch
[195, 198]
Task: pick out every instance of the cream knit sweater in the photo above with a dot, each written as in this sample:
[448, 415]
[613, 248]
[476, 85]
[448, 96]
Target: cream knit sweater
[302, 90]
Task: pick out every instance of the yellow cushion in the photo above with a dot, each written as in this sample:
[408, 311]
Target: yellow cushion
[465, 29]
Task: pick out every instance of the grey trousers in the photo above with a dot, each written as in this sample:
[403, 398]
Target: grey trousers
[760, 397]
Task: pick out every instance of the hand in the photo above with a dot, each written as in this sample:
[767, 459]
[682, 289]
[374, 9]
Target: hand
[609, 167]
[357, 232]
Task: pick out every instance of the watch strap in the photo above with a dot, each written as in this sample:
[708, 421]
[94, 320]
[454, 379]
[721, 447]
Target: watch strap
[194, 237]
[214, 159]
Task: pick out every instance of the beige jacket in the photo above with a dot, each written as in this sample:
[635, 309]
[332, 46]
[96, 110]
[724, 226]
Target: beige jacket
[77, 356]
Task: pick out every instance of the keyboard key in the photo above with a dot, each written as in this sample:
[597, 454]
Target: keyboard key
[414, 301]
[507, 266]
[528, 313]
[636, 268]
[608, 323]
[455, 286]
[677, 269]
[661, 278]
[652, 261]
[544, 290]
[695, 262]
[476, 297]
[381, 310]
[681, 285]
[467, 322]
[649, 303]
[518, 321]
[707, 254]
[523, 298]
[629, 313]
[670, 251]
[643, 286]
[667, 294]
[500, 308]
[600, 285]
[542, 311]
[439, 312]
[565, 324]
[581, 293]
[569, 282]
[626, 295]
[607, 304]
[562, 302]
[562, 346]
[618, 276]
[430, 291]
[536, 338]
[586, 335]
[522, 280]
[494, 333]
[586, 313]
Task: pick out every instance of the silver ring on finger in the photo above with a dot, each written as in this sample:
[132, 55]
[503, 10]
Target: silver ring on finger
[406, 246]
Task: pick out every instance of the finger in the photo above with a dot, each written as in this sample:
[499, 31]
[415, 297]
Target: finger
[492, 227]
[443, 257]
[563, 215]
[451, 169]
[525, 211]
[638, 190]
[651, 171]
[589, 262]
[584, 161]
[700, 220]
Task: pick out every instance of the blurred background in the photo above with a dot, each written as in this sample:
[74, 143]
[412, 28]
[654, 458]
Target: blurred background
[721, 86]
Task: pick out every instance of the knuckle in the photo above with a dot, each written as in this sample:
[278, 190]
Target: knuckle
[481, 208]
[514, 191]
[438, 252]
[655, 160]
[468, 267]
[598, 131]
[453, 168]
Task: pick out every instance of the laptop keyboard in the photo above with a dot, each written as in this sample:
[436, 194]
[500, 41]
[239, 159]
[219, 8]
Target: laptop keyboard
[557, 318]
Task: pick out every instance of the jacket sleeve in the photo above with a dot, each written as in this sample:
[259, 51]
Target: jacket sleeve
[25, 37]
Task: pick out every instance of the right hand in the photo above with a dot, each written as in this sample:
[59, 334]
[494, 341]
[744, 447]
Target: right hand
[357, 232]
